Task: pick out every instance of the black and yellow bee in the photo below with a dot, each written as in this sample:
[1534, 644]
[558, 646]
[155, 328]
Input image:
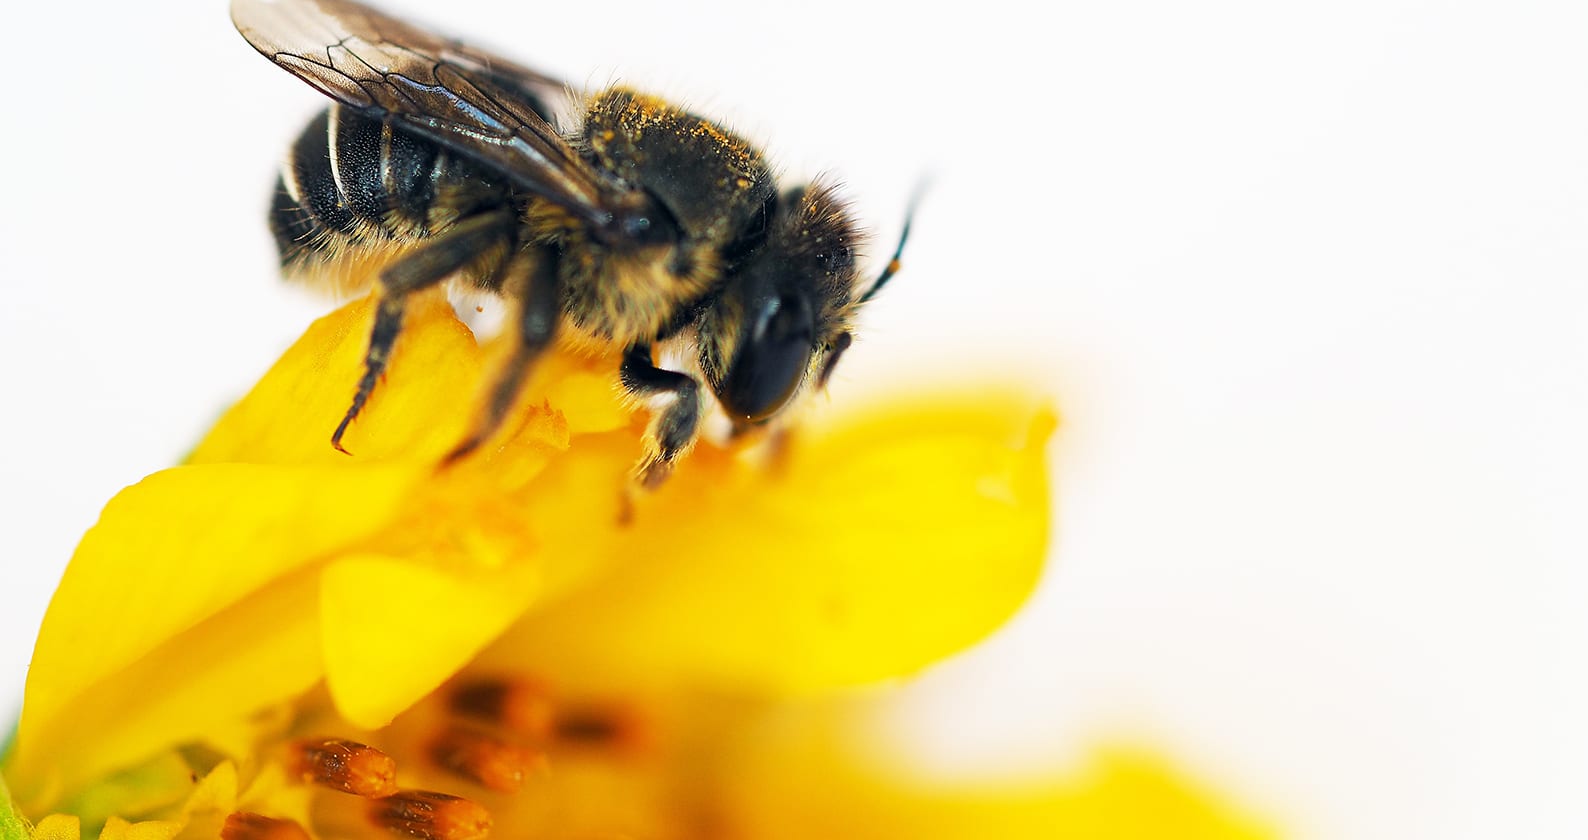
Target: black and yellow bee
[636, 224]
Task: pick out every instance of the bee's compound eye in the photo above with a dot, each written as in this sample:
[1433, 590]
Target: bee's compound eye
[771, 359]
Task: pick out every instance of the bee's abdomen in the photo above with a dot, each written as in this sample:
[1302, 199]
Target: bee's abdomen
[351, 179]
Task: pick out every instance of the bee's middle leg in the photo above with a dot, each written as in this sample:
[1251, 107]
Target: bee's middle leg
[436, 260]
[675, 427]
[533, 279]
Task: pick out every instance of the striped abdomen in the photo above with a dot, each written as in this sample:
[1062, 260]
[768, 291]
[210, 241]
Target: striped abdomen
[354, 182]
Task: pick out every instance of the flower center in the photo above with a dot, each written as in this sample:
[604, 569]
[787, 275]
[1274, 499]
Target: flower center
[439, 770]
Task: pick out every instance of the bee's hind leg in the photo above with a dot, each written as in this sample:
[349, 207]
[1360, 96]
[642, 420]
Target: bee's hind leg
[674, 427]
[531, 278]
[436, 260]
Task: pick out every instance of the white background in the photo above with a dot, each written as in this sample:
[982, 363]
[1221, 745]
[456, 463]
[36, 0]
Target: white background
[1307, 281]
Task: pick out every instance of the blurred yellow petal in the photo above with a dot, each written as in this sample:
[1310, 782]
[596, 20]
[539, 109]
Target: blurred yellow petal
[393, 630]
[55, 827]
[810, 770]
[212, 799]
[881, 545]
[119, 829]
[1115, 795]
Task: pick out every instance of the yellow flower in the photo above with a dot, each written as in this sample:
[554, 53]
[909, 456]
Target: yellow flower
[275, 638]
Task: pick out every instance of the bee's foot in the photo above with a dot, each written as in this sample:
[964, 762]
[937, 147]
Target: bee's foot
[461, 451]
[626, 503]
[654, 472]
[341, 429]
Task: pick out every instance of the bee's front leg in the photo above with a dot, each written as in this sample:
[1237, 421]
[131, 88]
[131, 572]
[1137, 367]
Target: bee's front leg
[675, 426]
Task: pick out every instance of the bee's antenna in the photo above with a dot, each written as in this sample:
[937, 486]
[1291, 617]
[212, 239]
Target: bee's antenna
[904, 235]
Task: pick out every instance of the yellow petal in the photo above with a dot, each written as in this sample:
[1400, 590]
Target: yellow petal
[210, 549]
[419, 410]
[808, 770]
[216, 792]
[210, 592]
[211, 801]
[1116, 795]
[56, 827]
[585, 390]
[395, 630]
[119, 829]
[184, 551]
[272, 791]
[257, 654]
[884, 545]
[417, 413]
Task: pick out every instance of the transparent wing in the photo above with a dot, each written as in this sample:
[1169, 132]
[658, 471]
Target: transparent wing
[484, 107]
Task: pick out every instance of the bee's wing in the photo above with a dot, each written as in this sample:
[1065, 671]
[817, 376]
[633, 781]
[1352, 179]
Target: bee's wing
[484, 107]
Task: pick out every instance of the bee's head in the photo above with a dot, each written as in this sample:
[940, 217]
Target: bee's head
[783, 316]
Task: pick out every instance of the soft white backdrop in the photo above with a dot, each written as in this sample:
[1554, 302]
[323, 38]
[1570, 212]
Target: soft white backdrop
[1307, 281]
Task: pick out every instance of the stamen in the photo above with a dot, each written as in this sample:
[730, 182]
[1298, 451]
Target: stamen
[485, 759]
[242, 825]
[347, 766]
[521, 706]
[602, 727]
[431, 816]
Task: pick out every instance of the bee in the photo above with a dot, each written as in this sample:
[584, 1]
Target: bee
[633, 224]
